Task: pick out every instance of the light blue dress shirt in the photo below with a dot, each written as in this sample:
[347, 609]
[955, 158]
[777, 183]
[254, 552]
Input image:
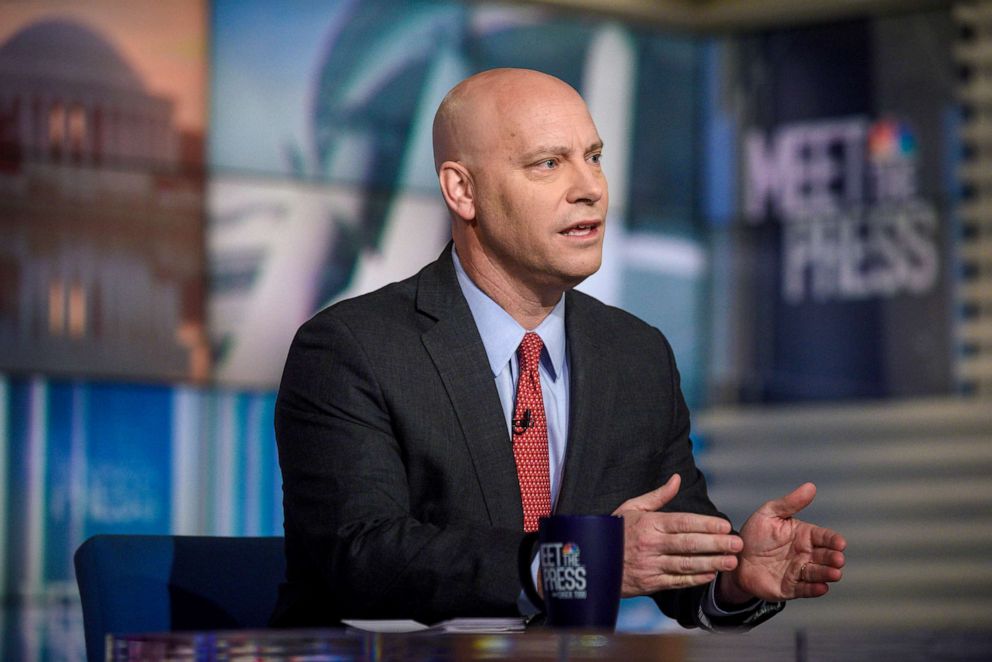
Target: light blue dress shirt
[501, 336]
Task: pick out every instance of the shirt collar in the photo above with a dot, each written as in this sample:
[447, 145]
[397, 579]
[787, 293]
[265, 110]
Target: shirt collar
[501, 334]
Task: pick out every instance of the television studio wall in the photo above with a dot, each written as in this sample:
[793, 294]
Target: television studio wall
[181, 186]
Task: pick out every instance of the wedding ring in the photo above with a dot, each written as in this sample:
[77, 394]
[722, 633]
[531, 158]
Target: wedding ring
[802, 572]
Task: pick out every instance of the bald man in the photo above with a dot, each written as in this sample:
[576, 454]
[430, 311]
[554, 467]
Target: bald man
[395, 417]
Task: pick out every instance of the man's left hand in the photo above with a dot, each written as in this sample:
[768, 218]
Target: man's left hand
[783, 557]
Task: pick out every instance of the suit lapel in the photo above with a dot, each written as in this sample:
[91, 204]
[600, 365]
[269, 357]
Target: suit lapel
[592, 390]
[456, 349]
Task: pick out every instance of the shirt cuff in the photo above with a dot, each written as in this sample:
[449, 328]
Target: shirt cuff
[711, 608]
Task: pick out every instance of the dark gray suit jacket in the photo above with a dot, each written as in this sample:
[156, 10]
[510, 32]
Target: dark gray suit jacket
[399, 484]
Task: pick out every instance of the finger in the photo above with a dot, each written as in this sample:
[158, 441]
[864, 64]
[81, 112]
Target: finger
[822, 537]
[653, 500]
[695, 543]
[676, 523]
[684, 581]
[811, 590]
[815, 573]
[828, 557]
[792, 502]
[676, 564]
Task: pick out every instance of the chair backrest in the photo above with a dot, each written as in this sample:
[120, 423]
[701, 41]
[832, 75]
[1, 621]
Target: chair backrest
[138, 583]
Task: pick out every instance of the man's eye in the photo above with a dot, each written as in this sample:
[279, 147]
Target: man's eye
[549, 164]
[596, 158]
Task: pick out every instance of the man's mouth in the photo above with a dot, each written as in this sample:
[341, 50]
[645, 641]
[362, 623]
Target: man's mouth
[581, 229]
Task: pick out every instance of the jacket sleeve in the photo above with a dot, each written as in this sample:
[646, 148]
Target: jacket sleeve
[354, 549]
[687, 605]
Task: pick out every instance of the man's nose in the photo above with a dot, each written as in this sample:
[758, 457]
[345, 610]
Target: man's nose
[588, 184]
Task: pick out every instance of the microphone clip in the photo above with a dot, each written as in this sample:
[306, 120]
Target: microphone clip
[522, 424]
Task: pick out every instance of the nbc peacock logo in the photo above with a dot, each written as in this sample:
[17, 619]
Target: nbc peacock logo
[891, 156]
[889, 140]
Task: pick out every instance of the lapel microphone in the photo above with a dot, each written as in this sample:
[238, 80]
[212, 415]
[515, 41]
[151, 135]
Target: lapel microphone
[521, 425]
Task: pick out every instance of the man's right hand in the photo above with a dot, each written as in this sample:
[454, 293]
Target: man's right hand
[672, 550]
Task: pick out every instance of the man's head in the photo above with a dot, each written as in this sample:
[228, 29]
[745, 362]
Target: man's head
[517, 156]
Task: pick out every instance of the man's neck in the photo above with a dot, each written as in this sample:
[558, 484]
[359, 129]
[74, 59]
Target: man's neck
[527, 305]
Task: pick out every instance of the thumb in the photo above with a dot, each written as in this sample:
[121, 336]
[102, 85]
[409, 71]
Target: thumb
[653, 500]
[792, 502]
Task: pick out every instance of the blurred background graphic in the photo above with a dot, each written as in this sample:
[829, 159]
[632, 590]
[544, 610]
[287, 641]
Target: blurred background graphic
[799, 199]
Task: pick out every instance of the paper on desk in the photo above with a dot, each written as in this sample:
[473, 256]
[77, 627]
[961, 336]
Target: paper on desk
[385, 625]
[455, 625]
[482, 625]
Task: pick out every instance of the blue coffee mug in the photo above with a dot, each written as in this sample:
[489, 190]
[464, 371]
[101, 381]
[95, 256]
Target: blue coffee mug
[581, 561]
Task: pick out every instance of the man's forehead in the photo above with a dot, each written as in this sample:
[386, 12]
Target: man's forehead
[554, 124]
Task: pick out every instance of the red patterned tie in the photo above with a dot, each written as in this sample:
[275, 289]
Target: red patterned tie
[530, 435]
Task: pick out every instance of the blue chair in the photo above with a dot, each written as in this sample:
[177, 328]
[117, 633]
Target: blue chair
[139, 583]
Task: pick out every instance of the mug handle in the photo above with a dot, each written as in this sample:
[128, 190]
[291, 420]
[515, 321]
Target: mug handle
[524, 560]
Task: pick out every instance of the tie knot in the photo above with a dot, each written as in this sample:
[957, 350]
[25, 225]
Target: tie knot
[530, 351]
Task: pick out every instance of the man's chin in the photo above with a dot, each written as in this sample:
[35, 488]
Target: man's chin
[574, 277]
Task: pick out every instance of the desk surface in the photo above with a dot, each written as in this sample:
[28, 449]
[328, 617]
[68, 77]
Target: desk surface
[769, 645]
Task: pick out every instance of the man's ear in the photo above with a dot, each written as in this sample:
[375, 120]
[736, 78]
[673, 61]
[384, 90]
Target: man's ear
[458, 189]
